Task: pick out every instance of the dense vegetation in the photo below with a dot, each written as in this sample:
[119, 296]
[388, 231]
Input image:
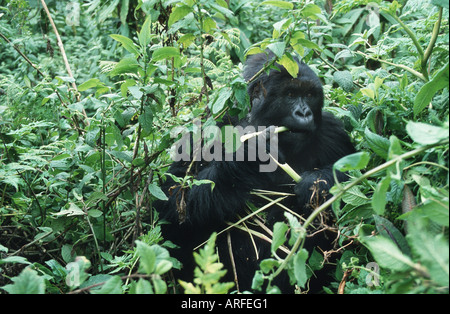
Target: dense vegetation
[85, 142]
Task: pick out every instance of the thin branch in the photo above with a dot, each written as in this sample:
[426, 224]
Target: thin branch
[400, 66]
[63, 53]
[23, 56]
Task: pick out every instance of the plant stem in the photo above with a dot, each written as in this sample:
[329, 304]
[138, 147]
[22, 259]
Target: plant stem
[434, 36]
[400, 66]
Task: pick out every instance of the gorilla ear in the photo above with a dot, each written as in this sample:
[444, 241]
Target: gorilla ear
[258, 94]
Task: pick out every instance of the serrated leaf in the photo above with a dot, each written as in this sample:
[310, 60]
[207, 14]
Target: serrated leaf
[344, 79]
[377, 143]
[354, 196]
[277, 48]
[28, 282]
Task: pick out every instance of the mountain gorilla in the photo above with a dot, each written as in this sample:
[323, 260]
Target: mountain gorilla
[314, 141]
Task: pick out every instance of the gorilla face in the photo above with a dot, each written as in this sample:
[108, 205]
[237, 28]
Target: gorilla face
[282, 100]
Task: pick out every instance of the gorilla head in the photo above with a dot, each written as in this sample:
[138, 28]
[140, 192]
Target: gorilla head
[300, 97]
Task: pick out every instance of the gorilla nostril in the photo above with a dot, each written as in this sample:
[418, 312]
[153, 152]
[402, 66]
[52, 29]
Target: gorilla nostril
[302, 113]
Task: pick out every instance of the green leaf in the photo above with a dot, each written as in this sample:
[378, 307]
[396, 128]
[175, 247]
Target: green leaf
[165, 53]
[368, 92]
[126, 65]
[160, 285]
[436, 210]
[145, 35]
[268, 265]
[258, 280]
[356, 161]
[126, 42]
[95, 213]
[279, 235]
[178, 13]
[377, 143]
[387, 254]
[146, 120]
[426, 134]
[156, 191]
[344, 79]
[163, 267]
[93, 82]
[427, 92]
[73, 210]
[208, 24]
[354, 196]
[300, 267]
[147, 257]
[277, 48]
[379, 196]
[389, 231]
[440, 3]
[112, 286]
[433, 250]
[290, 65]
[143, 287]
[280, 4]
[28, 282]
[219, 102]
[311, 10]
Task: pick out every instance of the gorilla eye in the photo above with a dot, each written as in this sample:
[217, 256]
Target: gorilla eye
[309, 95]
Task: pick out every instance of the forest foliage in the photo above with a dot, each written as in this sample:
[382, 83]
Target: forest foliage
[87, 123]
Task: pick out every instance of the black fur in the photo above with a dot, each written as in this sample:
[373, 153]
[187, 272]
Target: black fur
[315, 141]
